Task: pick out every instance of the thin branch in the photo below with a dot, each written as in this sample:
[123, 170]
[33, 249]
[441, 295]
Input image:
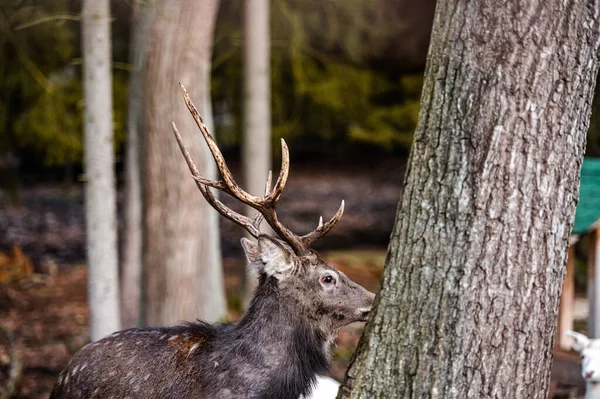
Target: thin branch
[62, 16]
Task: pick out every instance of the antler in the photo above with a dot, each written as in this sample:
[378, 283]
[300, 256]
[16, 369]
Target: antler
[264, 205]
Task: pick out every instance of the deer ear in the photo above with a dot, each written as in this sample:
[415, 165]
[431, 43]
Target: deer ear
[274, 257]
[580, 341]
[251, 251]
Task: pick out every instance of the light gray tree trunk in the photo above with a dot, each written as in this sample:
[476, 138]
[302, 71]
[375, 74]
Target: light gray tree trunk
[471, 287]
[256, 142]
[131, 270]
[100, 197]
[182, 277]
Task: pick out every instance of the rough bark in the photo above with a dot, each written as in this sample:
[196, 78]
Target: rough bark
[182, 277]
[100, 192]
[256, 141]
[471, 287]
[131, 268]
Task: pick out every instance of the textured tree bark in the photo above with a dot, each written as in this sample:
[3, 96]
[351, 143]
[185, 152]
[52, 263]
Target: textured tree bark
[182, 277]
[256, 143]
[100, 193]
[131, 268]
[470, 293]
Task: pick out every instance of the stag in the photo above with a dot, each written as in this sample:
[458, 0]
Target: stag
[278, 347]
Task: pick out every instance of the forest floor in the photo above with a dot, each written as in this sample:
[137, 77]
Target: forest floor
[43, 294]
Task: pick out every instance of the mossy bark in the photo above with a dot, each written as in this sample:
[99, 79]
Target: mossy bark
[470, 293]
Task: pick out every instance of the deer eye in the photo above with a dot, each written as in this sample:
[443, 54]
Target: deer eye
[328, 279]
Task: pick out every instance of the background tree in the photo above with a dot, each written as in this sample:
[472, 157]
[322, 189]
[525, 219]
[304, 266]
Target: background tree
[339, 72]
[182, 277]
[131, 269]
[471, 288]
[100, 196]
[256, 143]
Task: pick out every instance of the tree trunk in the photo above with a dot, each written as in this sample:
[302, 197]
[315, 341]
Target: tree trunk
[143, 14]
[100, 196]
[256, 142]
[470, 293]
[182, 277]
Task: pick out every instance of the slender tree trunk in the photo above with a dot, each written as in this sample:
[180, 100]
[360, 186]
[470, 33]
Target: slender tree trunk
[470, 293]
[182, 277]
[593, 283]
[100, 196]
[143, 14]
[256, 143]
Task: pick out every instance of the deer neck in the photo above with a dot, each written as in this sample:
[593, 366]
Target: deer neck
[291, 352]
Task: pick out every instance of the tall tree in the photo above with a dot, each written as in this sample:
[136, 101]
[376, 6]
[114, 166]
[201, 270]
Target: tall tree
[131, 268]
[100, 197]
[182, 277]
[470, 294]
[256, 143]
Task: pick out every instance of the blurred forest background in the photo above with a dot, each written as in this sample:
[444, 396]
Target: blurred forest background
[346, 79]
[343, 72]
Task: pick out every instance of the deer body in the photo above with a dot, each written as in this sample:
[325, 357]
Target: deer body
[275, 351]
[270, 353]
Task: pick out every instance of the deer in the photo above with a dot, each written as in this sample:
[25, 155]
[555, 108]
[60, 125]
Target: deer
[589, 349]
[278, 347]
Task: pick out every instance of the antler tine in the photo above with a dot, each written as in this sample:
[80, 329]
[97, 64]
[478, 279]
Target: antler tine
[228, 184]
[258, 218]
[203, 184]
[275, 195]
[268, 183]
[266, 206]
[323, 228]
[192, 166]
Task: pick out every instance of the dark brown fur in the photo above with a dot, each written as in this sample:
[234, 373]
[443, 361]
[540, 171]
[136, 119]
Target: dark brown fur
[275, 351]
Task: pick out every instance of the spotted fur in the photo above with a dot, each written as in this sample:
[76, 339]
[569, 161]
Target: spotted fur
[275, 351]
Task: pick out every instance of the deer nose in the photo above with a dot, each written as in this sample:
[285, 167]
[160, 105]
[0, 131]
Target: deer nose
[363, 313]
[371, 297]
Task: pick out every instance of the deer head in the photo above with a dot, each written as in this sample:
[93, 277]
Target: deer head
[275, 350]
[328, 298]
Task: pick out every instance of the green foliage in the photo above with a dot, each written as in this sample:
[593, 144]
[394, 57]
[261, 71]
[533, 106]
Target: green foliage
[323, 83]
[52, 125]
[41, 106]
[26, 61]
